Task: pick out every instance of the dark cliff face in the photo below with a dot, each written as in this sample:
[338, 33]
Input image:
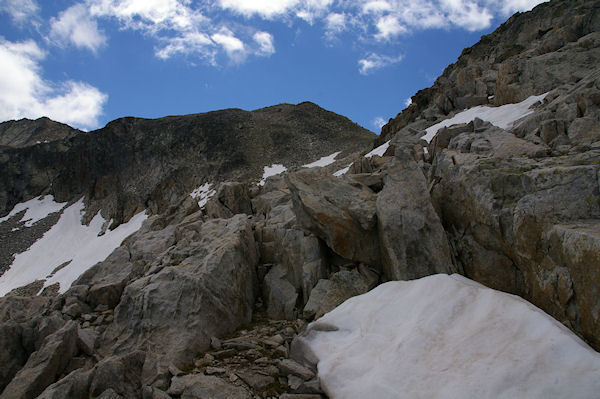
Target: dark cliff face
[530, 54]
[27, 132]
[134, 163]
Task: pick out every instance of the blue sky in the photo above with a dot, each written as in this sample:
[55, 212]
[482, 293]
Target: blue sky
[88, 62]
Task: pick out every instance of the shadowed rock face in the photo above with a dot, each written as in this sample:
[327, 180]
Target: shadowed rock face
[25, 132]
[133, 164]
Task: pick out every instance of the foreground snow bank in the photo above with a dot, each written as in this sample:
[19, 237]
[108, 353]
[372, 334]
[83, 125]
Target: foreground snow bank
[70, 244]
[448, 337]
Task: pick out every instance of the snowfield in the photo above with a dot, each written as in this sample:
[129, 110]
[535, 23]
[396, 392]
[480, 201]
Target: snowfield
[504, 116]
[35, 209]
[379, 151]
[448, 337]
[324, 161]
[70, 244]
[272, 170]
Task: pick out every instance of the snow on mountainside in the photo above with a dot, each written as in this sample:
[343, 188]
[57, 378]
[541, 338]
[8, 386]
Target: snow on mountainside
[448, 337]
[67, 250]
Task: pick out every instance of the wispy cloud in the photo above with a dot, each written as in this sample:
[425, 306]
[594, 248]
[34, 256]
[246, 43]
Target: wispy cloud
[234, 29]
[379, 122]
[374, 62]
[20, 11]
[24, 93]
[76, 26]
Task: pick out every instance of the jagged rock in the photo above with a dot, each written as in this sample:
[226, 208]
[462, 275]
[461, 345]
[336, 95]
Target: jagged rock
[119, 374]
[340, 213]
[329, 293]
[12, 356]
[289, 366]
[74, 385]
[257, 381]
[231, 198]
[110, 394]
[86, 340]
[502, 209]
[45, 365]
[175, 305]
[280, 296]
[411, 237]
[203, 386]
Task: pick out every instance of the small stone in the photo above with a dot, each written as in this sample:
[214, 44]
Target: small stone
[253, 354]
[256, 381]
[263, 360]
[281, 351]
[277, 338]
[289, 366]
[215, 343]
[87, 317]
[294, 382]
[175, 372]
[224, 353]
[270, 370]
[289, 332]
[109, 318]
[214, 370]
[86, 324]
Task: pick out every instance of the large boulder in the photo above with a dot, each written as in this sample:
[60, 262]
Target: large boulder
[45, 365]
[340, 212]
[204, 286]
[411, 237]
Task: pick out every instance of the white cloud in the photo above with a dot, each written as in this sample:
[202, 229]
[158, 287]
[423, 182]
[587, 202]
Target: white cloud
[196, 28]
[408, 102]
[376, 61]
[25, 94]
[76, 26]
[265, 43]
[389, 27]
[19, 10]
[379, 122]
[188, 43]
[467, 14]
[264, 8]
[509, 7]
[234, 47]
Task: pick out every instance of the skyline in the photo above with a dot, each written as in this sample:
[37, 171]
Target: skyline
[89, 62]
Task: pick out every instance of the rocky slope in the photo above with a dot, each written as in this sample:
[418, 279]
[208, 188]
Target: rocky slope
[134, 164]
[205, 298]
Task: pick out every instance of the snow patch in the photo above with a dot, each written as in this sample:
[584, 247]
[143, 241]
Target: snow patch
[379, 151]
[342, 171]
[272, 170]
[504, 116]
[324, 161]
[448, 337]
[36, 209]
[202, 194]
[67, 241]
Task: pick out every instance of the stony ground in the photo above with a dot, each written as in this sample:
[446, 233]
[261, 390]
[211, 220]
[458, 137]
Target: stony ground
[256, 358]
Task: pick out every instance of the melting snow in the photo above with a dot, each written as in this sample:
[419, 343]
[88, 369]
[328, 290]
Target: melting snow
[504, 116]
[67, 241]
[202, 194]
[449, 337]
[379, 150]
[36, 209]
[272, 170]
[324, 161]
[342, 171]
